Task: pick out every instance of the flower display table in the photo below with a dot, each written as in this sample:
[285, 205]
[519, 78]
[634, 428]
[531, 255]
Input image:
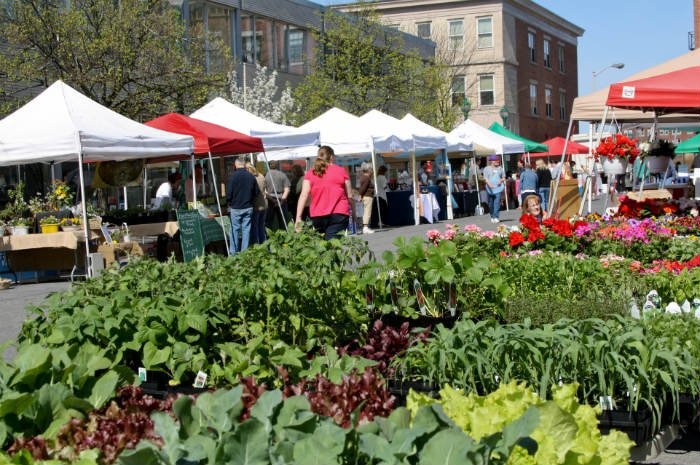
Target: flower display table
[32, 252]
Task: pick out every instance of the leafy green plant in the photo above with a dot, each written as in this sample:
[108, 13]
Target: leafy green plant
[210, 431]
[565, 432]
[42, 389]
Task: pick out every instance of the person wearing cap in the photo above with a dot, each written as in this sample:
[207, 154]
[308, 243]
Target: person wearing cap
[495, 183]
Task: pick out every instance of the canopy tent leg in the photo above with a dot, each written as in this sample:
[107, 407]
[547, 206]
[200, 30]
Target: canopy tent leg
[194, 183]
[218, 201]
[145, 187]
[475, 169]
[416, 189]
[450, 186]
[275, 191]
[503, 167]
[83, 202]
[376, 197]
[126, 202]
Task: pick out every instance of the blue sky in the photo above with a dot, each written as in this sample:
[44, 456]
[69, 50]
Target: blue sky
[640, 34]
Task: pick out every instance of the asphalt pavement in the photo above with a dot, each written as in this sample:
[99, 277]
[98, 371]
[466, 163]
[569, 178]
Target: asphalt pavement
[685, 450]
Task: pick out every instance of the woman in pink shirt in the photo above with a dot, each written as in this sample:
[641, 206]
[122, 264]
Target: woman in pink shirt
[330, 191]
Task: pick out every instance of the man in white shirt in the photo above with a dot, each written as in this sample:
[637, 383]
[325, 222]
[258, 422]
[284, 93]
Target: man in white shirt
[164, 194]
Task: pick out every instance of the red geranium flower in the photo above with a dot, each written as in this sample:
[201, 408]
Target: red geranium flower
[529, 221]
[515, 239]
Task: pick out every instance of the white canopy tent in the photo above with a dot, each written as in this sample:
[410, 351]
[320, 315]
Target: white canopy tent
[342, 131]
[274, 136]
[61, 124]
[487, 142]
[426, 136]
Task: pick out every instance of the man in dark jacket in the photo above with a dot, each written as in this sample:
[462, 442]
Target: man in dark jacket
[241, 190]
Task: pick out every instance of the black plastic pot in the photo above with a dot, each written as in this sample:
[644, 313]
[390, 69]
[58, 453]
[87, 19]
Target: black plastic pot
[422, 321]
[400, 388]
[157, 385]
[688, 410]
[636, 424]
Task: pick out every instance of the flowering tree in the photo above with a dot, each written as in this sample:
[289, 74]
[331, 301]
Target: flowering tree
[260, 96]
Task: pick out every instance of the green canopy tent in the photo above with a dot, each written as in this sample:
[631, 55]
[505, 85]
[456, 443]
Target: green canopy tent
[691, 145]
[530, 146]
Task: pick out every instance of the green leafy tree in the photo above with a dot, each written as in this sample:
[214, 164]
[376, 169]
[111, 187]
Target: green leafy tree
[133, 56]
[361, 66]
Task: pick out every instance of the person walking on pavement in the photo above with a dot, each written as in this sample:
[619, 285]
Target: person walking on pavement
[330, 190]
[277, 188]
[241, 191]
[495, 184]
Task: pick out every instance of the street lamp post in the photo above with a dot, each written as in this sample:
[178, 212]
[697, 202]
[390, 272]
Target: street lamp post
[504, 114]
[614, 65]
[466, 106]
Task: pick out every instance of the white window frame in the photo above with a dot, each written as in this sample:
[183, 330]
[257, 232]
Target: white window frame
[562, 105]
[547, 53]
[533, 99]
[561, 56]
[531, 45]
[548, 102]
[452, 39]
[492, 91]
[486, 35]
[457, 90]
[430, 29]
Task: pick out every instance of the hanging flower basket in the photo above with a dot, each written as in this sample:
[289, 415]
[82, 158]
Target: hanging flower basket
[614, 166]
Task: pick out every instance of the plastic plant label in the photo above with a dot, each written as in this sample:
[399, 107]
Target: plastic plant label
[201, 380]
[142, 374]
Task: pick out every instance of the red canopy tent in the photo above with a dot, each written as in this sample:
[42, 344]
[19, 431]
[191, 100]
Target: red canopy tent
[674, 92]
[556, 147]
[208, 137]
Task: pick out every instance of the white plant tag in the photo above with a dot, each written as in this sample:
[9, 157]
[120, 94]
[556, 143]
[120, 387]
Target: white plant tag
[201, 380]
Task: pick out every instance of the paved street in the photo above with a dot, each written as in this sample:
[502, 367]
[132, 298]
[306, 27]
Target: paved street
[684, 451]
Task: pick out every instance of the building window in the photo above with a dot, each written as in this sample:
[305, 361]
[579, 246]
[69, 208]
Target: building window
[548, 103]
[533, 99]
[484, 32]
[456, 34]
[531, 46]
[247, 40]
[562, 63]
[486, 90]
[295, 45]
[562, 105]
[457, 91]
[547, 57]
[423, 30]
[394, 26]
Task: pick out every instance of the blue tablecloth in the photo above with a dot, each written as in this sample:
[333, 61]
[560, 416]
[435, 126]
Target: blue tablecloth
[401, 212]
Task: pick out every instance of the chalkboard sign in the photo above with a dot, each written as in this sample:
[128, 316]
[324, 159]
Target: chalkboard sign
[191, 239]
[211, 229]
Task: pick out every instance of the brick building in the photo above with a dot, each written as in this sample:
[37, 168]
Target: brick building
[510, 58]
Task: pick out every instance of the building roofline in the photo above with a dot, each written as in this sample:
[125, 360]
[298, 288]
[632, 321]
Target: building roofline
[526, 4]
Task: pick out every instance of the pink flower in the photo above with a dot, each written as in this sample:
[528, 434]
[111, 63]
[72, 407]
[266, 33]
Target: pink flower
[434, 236]
[450, 234]
[472, 228]
[488, 234]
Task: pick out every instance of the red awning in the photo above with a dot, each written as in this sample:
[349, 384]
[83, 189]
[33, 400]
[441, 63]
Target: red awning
[556, 147]
[674, 92]
[208, 137]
